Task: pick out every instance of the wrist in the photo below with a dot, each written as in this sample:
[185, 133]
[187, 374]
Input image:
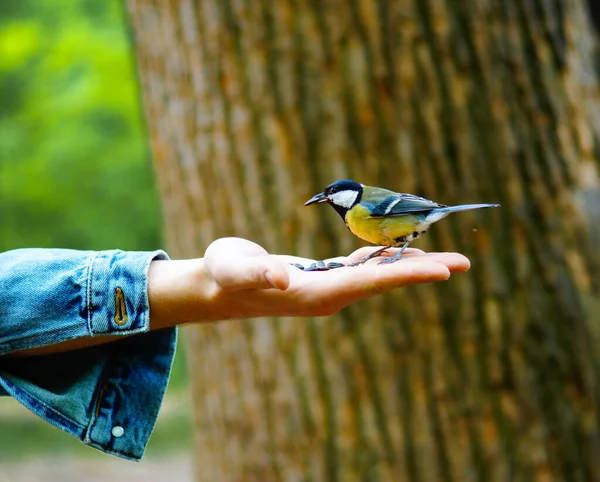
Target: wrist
[180, 291]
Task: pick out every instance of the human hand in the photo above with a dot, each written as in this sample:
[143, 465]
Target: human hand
[239, 279]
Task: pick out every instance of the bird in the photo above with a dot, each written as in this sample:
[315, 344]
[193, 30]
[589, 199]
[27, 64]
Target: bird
[385, 218]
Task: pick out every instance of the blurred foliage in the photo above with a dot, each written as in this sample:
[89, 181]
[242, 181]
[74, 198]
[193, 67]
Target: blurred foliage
[74, 165]
[75, 169]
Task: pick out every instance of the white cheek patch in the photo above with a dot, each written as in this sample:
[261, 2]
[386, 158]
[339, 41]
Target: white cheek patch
[344, 199]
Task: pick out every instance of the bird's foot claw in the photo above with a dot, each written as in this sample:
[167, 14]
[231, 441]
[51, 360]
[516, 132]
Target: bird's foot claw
[357, 263]
[366, 258]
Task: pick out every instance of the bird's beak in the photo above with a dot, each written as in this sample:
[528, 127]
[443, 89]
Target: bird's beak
[317, 199]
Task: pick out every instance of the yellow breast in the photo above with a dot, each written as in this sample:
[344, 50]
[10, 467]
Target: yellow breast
[382, 231]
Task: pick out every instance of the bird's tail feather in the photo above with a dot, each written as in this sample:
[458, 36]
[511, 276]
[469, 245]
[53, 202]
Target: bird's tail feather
[466, 207]
[440, 213]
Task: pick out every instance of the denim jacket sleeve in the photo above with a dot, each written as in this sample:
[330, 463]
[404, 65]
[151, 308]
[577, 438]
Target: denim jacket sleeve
[108, 395]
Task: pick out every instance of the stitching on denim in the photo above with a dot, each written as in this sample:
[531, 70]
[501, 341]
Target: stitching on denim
[146, 320]
[16, 344]
[24, 392]
[113, 450]
[89, 292]
[145, 316]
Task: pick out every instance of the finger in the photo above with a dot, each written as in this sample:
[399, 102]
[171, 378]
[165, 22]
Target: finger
[456, 262]
[409, 252]
[371, 279]
[328, 292]
[340, 287]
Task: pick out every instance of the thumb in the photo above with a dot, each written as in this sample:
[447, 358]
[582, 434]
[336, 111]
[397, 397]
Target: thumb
[237, 264]
[253, 272]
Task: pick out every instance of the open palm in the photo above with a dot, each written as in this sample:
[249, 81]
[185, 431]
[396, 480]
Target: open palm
[251, 282]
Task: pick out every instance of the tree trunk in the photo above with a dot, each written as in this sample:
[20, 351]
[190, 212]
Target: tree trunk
[255, 106]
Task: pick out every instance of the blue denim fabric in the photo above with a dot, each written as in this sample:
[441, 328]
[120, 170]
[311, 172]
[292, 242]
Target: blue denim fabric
[109, 395]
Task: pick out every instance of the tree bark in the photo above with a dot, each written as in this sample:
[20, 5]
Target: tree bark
[255, 106]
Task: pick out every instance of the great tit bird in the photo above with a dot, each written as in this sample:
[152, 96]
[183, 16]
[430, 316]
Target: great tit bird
[387, 218]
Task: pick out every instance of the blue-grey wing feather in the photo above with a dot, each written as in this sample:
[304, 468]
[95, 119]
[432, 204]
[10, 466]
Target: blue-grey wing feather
[401, 204]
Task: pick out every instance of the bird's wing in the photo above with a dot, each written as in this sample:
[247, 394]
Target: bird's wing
[398, 204]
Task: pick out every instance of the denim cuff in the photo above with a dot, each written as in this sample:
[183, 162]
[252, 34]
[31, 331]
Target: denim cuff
[48, 296]
[116, 294]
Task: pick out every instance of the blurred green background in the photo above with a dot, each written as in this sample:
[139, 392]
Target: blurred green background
[75, 172]
[74, 164]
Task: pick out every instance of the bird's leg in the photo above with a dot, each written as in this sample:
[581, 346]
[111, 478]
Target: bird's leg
[369, 256]
[322, 266]
[396, 257]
